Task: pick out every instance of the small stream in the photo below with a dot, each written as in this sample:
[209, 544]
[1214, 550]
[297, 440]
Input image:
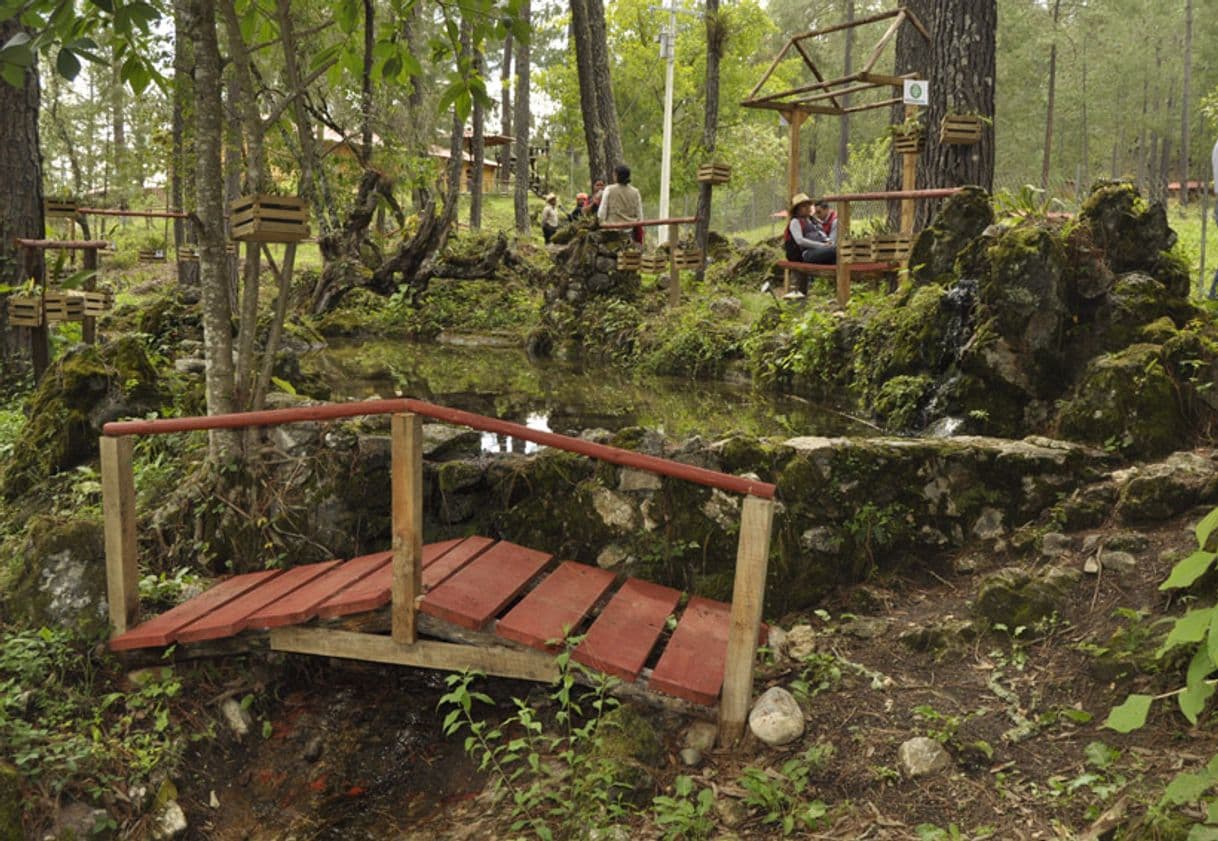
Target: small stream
[564, 397]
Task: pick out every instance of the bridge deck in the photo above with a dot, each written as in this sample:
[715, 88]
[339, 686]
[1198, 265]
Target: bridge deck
[519, 594]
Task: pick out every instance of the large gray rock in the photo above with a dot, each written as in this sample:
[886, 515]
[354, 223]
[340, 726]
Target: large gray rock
[776, 718]
[1165, 489]
[921, 757]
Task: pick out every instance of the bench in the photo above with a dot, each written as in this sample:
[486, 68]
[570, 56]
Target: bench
[847, 269]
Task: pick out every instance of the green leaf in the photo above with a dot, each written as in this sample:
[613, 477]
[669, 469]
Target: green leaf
[1202, 833]
[1189, 628]
[1188, 570]
[1206, 527]
[13, 74]
[1186, 788]
[1130, 715]
[1198, 690]
[1100, 755]
[283, 385]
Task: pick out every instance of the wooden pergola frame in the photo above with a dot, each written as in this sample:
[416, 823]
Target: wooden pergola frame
[823, 95]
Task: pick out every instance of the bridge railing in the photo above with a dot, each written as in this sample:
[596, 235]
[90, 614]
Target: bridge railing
[406, 502]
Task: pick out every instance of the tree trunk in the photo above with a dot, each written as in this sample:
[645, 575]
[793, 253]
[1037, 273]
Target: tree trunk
[118, 134]
[522, 127]
[843, 139]
[21, 199]
[589, 104]
[1186, 97]
[962, 67]
[1045, 159]
[612, 138]
[1085, 155]
[182, 171]
[716, 36]
[504, 172]
[478, 153]
[913, 54]
[366, 79]
[216, 308]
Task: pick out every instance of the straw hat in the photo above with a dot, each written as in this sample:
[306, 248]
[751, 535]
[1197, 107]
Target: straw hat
[551, 197]
[797, 200]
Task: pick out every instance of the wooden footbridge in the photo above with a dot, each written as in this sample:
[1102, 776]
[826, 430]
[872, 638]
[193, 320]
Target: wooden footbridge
[485, 604]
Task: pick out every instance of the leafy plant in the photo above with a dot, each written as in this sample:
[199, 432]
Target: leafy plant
[1028, 202]
[779, 794]
[685, 815]
[819, 673]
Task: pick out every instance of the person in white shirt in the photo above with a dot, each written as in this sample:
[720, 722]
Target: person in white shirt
[622, 203]
[549, 217]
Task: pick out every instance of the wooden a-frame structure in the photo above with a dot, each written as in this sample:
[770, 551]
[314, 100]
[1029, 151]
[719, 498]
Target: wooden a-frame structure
[823, 95]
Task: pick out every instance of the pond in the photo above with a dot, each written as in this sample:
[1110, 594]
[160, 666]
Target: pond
[564, 397]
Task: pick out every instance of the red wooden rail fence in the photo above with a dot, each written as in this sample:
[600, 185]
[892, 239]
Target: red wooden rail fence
[118, 497]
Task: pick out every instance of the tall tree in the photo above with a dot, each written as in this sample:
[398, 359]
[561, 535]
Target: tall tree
[181, 172]
[1186, 101]
[1050, 99]
[522, 125]
[21, 173]
[505, 112]
[716, 41]
[477, 149]
[843, 138]
[601, 131]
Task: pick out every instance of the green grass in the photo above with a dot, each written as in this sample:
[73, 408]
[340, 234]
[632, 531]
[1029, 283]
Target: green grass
[1186, 222]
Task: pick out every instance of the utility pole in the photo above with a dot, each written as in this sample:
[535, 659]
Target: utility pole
[668, 52]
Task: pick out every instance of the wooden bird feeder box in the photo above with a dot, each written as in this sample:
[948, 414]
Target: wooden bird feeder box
[891, 248]
[855, 251]
[188, 253]
[687, 258]
[59, 209]
[653, 263]
[264, 218]
[60, 306]
[25, 311]
[149, 255]
[629, 260]
[714, 173]
[97, 302]
[909, 143]
[960, 129]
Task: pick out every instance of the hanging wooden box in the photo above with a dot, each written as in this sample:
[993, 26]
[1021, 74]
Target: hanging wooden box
[151, 256]
[60, 306]
[908, 144]
[891, 248]
[58, 209]
[653, 263]
[188, 254]
[854, 251]
[714, 173]
[960, 130]
[25, 311]
[97, 302]
[689, 259]
[264, 218]
[629, 260]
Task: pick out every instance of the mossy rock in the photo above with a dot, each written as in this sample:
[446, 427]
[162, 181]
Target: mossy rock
[83, 390]
[1126, 401]
[961, 219]
[905, 335]
[900, 400]
[1131, 232]
[10, 803]
[1015, 598]
[627, 747]
[1137, 301]
[1168, 488]
[1158, 332]
[360, 312]
[60, 578]
[1022, 291]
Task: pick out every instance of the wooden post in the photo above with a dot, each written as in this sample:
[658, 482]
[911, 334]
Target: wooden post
[909, 178]
[40, 346]
[674, 274]
[796, 119]
[88, 329]
[118, 514]
[843, 265]
[748, 598]
[406, 464]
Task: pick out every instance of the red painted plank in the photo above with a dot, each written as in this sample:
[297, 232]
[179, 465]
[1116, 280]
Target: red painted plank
[373, 590]
[622, 637]
[159, 630]
[454, 560]
[232, 618]
[301, 604]
[556, 606]
[691, 666]
[472, 595]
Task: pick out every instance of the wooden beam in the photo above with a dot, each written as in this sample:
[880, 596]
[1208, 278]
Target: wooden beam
[883, 42]
[886, 79]
[748, 599]
[406, 466]
[843, 266]
[674, 274]
[848, 25]
[864, 86]
[913, 18]
[784, 107]
[118, 516]
[88, 328]
[796, 120]
[497, 660]
[871, 106]
[909, 178]
[815, 71]
[770, 70]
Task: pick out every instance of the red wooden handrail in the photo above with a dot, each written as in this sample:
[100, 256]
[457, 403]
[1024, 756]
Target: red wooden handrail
[62, 243]
[333, 411]
[646, 223]
[932, 193]
[146, 214]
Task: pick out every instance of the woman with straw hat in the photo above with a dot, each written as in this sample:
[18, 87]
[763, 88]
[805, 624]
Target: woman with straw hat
[804, 239]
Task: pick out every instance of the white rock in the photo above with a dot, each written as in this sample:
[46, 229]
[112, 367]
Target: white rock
[989, 524]
[1091, 566]
[611, 556]
[921, 756]
[801, 642]
[1118, 562]
[615, 510]
[637, 480]
[212, 800]
[777, 640]
[691, 757]
[776, 718]
[1055, 544]
[701, 736]
[170, 821]
[237, 719]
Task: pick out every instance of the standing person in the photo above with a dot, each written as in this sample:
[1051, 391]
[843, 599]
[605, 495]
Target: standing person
[827, 219]
[549, 217]
[622, 203]
[594, 203]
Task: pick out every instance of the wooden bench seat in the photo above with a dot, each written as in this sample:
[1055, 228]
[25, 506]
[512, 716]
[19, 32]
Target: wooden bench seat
[831, 268]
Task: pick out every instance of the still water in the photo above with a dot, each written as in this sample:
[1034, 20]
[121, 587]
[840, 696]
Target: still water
[565, 397]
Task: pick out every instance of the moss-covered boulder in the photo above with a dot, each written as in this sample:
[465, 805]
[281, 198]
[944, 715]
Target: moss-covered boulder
[1137, 301]
[1022, 290]
[904, 335]
[1014, 597]
[1126, 401]
[626, 749]
[1166, 489]
[1132, 232]
[81, 391]
[59, 577]
[961, 219]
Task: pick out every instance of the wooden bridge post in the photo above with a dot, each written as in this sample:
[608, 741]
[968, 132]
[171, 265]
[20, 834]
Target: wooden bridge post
[843, 265]
[118, 514]
[406, 466]
[674, 273]
[748, 598]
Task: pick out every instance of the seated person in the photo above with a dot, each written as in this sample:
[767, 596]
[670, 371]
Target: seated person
[804, 239]
[581, 205]
[827, 218]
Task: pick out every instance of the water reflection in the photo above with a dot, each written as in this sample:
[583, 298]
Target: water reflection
[493, 442]
[564, 397]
